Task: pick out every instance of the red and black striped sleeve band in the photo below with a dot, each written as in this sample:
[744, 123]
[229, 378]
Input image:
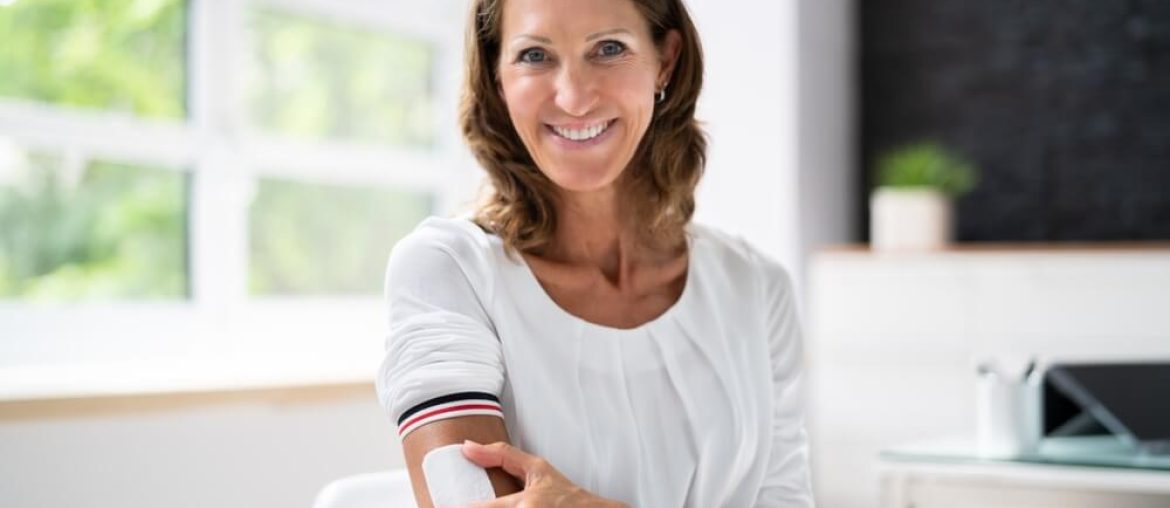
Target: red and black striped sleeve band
[448, 406]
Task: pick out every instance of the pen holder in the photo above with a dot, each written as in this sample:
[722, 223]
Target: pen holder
[1007, 416]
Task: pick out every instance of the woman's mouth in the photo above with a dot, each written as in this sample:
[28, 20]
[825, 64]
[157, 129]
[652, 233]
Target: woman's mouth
[583, 136]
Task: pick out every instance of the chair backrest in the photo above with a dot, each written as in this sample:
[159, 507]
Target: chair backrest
[389, 489]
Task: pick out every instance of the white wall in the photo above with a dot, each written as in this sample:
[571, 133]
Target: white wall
[779, 105]
[748, 105]
[233, 452]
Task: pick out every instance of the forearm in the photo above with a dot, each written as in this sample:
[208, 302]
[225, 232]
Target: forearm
[452, 431]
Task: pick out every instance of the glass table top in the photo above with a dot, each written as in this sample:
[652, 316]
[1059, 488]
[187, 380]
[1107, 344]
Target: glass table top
[1094, 451]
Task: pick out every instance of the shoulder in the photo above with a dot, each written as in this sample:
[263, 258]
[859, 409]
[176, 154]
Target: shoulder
[458, 237]
[439, 249]
[734, 252]
[739, 261]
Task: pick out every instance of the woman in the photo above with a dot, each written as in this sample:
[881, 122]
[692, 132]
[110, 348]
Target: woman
[609, 350]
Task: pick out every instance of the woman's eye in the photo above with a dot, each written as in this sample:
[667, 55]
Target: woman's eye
[533, 55]
[611, 48]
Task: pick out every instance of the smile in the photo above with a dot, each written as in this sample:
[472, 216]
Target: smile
[582, 134]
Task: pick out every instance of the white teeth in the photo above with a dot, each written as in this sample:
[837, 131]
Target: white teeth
[582, 134]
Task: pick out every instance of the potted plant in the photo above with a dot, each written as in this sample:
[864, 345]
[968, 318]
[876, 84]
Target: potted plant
[911, 207]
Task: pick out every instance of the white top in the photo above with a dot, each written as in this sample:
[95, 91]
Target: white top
[699, 407]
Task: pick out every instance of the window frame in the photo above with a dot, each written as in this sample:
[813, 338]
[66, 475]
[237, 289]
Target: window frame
[282, 340]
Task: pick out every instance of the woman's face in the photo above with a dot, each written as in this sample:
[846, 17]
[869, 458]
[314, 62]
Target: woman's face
[579, 79]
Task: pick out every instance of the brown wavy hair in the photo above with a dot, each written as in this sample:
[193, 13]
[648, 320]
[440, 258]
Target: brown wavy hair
[657, 189]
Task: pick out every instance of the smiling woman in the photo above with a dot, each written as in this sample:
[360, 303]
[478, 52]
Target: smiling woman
[551, 98]
[612, 352]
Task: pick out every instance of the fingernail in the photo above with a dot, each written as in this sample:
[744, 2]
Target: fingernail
[470, 442]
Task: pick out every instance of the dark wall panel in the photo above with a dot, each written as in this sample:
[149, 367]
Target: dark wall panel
[1064, 105]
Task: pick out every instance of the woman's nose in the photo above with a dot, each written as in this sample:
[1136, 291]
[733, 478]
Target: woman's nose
[576, 91]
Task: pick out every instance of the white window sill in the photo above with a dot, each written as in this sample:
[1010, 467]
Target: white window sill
[58, 382]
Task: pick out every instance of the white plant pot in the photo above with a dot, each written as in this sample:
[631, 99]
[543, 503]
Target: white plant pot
[909, 219]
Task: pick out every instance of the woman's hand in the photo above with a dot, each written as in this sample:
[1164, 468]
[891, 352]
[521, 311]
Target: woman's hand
[544, 486]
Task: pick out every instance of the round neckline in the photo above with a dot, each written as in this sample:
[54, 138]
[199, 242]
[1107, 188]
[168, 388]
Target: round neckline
[548, 301]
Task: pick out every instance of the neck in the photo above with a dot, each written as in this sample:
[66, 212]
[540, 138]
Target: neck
[590, 233]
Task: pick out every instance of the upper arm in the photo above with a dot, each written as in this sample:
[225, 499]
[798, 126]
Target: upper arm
[787, 480]
[442, 373]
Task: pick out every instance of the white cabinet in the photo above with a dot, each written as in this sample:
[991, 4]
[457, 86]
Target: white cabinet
[932, 484]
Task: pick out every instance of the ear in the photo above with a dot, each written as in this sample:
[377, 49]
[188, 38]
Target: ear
[671, 47]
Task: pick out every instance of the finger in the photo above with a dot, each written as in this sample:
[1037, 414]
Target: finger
[508, 501]
[499, 454]
[503, 455]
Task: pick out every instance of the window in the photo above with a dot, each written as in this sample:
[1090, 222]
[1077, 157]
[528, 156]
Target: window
[74, 226]
[90, 230]
[216, 177]
[310, 78]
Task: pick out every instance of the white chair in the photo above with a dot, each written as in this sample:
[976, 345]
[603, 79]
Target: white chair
[389, 489]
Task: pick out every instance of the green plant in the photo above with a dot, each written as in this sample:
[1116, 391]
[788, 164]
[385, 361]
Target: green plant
[926, 164]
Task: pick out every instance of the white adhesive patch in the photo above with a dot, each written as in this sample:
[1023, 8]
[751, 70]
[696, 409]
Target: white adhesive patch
[453, 480]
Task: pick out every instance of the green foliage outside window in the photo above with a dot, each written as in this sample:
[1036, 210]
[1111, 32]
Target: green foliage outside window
[114, 231]
[326, 239]
[316, 79]
[124, 55]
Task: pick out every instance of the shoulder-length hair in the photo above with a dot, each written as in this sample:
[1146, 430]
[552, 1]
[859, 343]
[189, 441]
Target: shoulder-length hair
[657, 189]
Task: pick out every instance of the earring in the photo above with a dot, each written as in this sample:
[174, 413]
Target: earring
[660, 95]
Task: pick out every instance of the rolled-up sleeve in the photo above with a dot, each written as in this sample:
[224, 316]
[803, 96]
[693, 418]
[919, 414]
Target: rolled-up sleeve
[787, 481]
[442, 355]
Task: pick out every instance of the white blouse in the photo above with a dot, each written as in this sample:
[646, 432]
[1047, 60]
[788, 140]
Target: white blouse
[699, 407]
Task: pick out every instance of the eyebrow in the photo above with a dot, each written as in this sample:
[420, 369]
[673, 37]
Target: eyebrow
[537, 38]
[607, 32]
[546, 40]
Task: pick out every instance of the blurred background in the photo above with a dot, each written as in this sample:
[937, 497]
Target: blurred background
[197, 198]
